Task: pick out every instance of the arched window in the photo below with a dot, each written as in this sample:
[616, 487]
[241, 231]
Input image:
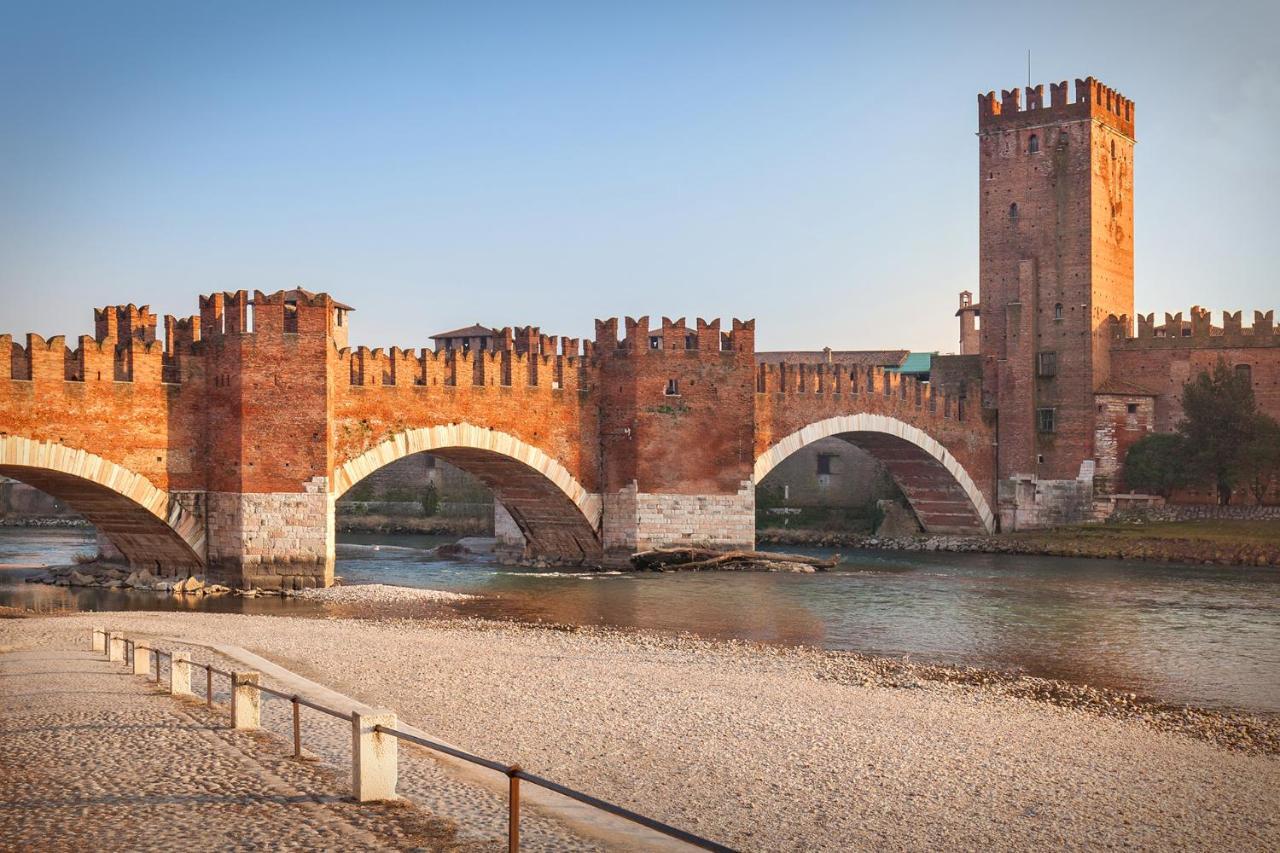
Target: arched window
[1057, 311]
[1013, 210]
[1034, 145]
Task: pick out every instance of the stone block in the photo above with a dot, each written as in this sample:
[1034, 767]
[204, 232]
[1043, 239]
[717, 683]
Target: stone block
[246, 700]
[374, 756]
[180, 674]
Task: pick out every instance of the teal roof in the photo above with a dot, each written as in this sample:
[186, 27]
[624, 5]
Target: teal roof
[917, 362]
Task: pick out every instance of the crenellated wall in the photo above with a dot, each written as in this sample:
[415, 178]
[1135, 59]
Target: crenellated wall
[1161, 358]
[223, 446]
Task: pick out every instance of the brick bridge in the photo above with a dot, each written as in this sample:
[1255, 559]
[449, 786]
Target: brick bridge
[223, 447]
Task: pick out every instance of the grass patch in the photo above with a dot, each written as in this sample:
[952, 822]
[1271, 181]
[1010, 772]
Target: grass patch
[1217, 531]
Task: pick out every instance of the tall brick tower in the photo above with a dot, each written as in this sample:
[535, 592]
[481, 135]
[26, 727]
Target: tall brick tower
[1056, 258]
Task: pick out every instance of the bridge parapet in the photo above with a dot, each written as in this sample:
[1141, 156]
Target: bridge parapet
[425, 368]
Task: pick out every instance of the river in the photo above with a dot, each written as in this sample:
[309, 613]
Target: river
[1200, 635]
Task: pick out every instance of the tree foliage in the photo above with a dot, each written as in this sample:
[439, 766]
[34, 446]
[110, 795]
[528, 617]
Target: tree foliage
[1260, 458]
[1220, 418]
[1158, 464]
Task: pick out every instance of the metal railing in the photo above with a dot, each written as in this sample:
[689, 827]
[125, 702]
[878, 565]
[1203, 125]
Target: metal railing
[514, 773]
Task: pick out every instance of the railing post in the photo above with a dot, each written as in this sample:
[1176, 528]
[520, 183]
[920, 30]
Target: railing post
[246, 700]
[115, 646]
[157, 651]
[180, 674]
[297, 728]
[374, 756]
[513, 815]
[141, 662]
[99, 641]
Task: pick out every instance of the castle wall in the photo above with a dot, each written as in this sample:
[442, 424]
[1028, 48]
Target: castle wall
[1120, 421]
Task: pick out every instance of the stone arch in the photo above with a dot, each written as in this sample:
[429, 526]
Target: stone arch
[943, 494]
[559, 518]
[144, 523]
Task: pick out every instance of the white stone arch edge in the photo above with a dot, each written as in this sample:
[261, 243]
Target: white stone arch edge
[466, 435]
[20, 452]
[876, 423]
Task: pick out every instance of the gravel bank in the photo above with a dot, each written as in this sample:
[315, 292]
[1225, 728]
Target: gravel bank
[377, 593]
[766, 748]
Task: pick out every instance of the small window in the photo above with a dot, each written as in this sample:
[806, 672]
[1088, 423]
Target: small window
[291, 316]
[1057, 311]
[1034, 145]
[1245, 372]
[1113, 149]
[824, 464]
[1044, 420]
[690, 341]
[1048, 364]
[655, 342]
[673, 388]
[1131, 408]
[1013, 210]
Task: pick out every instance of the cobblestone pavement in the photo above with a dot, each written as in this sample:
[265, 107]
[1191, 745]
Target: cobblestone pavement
[93, 758]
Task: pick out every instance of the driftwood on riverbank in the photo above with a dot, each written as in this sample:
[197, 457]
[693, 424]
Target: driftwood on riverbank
[703, 559]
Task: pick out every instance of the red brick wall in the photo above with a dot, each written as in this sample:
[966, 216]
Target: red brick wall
[1069, 244]
[697, 441]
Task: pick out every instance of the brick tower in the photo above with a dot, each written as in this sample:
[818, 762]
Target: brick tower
[1056, 258]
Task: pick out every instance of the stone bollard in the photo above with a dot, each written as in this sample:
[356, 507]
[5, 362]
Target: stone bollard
[374, 766]
[180, 674]
[141, 659]
[115, 646]
[99, 642]
[246, 700]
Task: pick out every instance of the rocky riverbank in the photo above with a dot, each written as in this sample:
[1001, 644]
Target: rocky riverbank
[1100, 543]
[779, 748]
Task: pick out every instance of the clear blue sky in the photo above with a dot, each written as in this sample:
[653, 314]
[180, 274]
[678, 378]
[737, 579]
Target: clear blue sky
[812, 165]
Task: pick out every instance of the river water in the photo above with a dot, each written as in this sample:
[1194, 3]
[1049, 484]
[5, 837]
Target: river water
[1201, 635]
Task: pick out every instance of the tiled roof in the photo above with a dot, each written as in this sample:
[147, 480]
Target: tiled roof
[469, 332]
[916, 362]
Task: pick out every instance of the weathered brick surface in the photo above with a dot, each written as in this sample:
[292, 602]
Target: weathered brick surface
[1056, 259]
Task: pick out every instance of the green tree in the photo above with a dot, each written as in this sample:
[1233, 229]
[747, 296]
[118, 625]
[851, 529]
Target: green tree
[1220, 419]
[1260, 458]
[1157, 464]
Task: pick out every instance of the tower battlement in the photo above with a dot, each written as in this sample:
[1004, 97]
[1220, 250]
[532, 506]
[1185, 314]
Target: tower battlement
[1092, 99]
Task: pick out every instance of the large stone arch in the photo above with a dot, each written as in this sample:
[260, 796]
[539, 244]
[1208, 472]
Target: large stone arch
[144, 523]
[943, 494]
[559, 518]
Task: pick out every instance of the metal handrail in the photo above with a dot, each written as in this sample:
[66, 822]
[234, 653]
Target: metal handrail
[514, 772]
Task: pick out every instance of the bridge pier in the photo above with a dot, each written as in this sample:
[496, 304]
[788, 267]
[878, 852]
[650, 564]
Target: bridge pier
[280, 540]
[637, 521]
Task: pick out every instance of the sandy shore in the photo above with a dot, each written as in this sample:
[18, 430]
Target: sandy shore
[760, 747]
